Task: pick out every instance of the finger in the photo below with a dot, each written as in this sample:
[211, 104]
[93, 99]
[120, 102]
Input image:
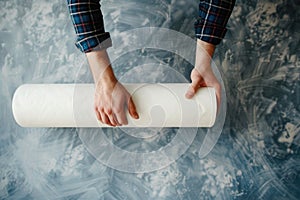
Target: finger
[190, 92]
[132, 109]
[104, 117]
[108, 121]
[118, 108]
[116, 120]
[194, 86]
[110, 116]
[108, 111]
[121, 117]
[98, 115]
[218, 94]
[112, 119]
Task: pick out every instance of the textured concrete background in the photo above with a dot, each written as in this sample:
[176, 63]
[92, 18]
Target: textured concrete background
[257, 155]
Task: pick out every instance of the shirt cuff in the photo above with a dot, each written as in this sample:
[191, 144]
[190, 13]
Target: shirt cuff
[95, 42]
[209, 32]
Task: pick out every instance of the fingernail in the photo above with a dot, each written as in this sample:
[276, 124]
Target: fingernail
[136, 116]
[189, 94]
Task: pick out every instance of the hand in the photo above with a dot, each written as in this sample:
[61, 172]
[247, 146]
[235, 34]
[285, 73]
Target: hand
[111, 98]
[202, 75]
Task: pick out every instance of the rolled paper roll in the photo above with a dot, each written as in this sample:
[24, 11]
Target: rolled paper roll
[71, 105]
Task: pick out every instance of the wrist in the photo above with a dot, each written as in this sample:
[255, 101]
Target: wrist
[107, 77]
[100, 67]
[204, 54]
[205, 47]
[106, 81]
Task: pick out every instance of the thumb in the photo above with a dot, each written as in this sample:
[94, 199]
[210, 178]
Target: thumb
[194, 86]
[132, 109]
[190, 92]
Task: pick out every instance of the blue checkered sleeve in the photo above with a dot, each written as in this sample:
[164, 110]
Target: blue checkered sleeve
[212, 19]
[88, 23]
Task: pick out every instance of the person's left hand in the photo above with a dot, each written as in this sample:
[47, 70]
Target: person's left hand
[202, 75]
[206, 79]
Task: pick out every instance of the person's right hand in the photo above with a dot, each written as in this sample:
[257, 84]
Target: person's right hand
[111, 98]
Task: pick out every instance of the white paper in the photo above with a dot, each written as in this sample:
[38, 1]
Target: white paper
[71, 105]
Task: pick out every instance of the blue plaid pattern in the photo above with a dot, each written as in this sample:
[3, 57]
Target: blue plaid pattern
[213, 17]
[88, 23]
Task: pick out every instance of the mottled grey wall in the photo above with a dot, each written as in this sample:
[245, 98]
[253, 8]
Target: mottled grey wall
[257, 155]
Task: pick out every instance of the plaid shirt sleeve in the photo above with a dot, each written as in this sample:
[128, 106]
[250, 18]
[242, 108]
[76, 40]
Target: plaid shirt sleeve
[213, 17]
[88, 23]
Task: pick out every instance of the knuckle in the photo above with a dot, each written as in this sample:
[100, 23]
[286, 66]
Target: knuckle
[101, 109]
[108, 111]
[96, 108]
[217, 86]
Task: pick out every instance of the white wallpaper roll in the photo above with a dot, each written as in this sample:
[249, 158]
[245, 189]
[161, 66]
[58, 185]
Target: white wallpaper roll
[71, 105]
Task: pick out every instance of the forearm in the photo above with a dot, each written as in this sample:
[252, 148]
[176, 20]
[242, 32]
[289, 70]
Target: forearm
[204, 54]
[100, 67]
[111, 98]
